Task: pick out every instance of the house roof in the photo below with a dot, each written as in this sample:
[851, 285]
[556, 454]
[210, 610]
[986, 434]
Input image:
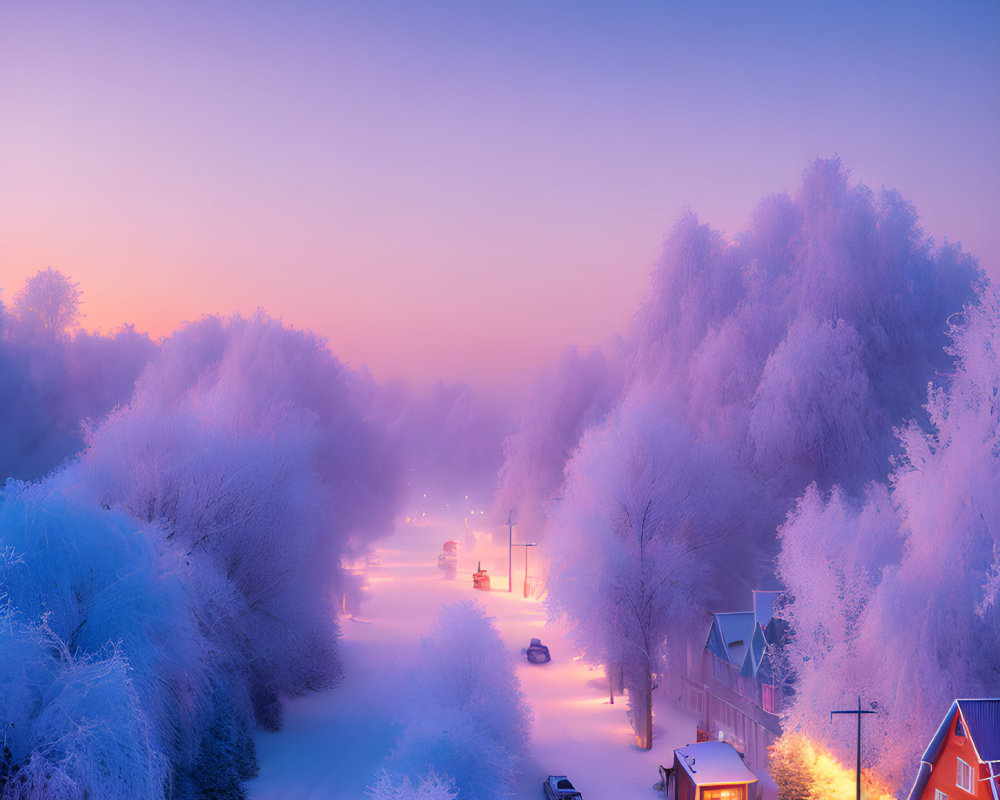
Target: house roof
[763, 605]
[709, 763]
[731, 635]
[982, 722]
[982, 718]
[756, 657]
[741, 637]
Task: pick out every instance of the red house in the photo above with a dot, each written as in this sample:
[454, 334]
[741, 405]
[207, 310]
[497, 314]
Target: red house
[963, 759]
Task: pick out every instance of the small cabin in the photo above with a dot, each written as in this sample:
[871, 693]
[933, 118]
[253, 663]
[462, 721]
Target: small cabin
[710, 771]
[962, 760]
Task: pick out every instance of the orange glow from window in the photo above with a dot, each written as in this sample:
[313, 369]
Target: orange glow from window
[724, 793]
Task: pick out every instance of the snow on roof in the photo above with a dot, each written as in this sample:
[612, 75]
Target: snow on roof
[737, 630]
[709, 763]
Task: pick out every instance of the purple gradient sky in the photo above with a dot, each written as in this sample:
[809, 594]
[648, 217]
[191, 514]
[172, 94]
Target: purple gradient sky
[459, 190]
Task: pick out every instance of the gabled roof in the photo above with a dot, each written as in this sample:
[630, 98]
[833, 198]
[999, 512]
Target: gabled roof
[982, 723]
[730, 636]
[756, 664]
[741, 637]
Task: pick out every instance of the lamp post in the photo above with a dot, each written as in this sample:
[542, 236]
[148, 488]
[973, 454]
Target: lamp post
[526, 545]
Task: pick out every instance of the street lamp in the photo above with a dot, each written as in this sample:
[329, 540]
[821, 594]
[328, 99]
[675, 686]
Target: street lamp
[526, 545]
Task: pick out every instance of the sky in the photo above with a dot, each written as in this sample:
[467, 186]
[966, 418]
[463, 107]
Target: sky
[459, 190]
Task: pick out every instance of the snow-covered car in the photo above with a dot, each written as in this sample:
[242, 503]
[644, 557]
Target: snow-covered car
[538, 653]
[558, 787]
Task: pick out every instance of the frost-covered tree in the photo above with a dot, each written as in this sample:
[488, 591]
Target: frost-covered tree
[447, 439]
[648, 532]
[428, 787]
[47, 308]
[795, 345]
[246, 444]
[53, 377]
[566, 400]
[110, 684]
[902, 604]
[467, 718]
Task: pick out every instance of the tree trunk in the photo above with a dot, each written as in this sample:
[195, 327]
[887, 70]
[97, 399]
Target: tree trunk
[647, 699]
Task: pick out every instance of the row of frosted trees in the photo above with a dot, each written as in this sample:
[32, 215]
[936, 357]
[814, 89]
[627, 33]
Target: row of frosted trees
[172, 533]
[166, 586]
[767, 418]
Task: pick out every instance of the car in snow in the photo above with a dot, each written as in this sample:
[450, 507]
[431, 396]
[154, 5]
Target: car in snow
[537, 653]
[558, 787]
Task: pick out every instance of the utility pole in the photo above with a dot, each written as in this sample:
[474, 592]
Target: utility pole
[859, 712]
[510, 550]
[526, 545]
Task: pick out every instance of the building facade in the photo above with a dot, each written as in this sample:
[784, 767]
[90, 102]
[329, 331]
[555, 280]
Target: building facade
[729, 684]
[962, 761]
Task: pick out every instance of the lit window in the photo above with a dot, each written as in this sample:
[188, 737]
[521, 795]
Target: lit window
[939, 795]
[964, 779]
[728, 793]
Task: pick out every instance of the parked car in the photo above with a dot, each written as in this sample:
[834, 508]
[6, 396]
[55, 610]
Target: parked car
[558, 787]
[537, 652]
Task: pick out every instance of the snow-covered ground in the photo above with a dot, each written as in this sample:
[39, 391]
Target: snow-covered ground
[333, 743]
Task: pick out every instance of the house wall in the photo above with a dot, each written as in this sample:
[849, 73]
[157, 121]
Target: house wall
[944, 771]
[721, 706]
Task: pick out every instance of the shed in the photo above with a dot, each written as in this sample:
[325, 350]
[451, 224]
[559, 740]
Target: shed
[711, 771]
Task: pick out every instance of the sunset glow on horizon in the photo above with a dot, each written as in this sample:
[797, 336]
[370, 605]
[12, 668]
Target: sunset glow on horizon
[458, 192]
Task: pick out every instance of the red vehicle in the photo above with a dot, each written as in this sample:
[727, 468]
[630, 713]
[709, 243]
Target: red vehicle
[481, 579]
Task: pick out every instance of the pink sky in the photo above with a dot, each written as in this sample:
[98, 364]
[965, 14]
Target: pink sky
[458, 191]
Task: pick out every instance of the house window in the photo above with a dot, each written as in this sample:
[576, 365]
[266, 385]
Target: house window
[959, 727]
[964, 778]
[939, 795]
[724, 793]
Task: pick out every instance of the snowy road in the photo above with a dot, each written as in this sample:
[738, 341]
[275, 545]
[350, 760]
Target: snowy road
[333, 743]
